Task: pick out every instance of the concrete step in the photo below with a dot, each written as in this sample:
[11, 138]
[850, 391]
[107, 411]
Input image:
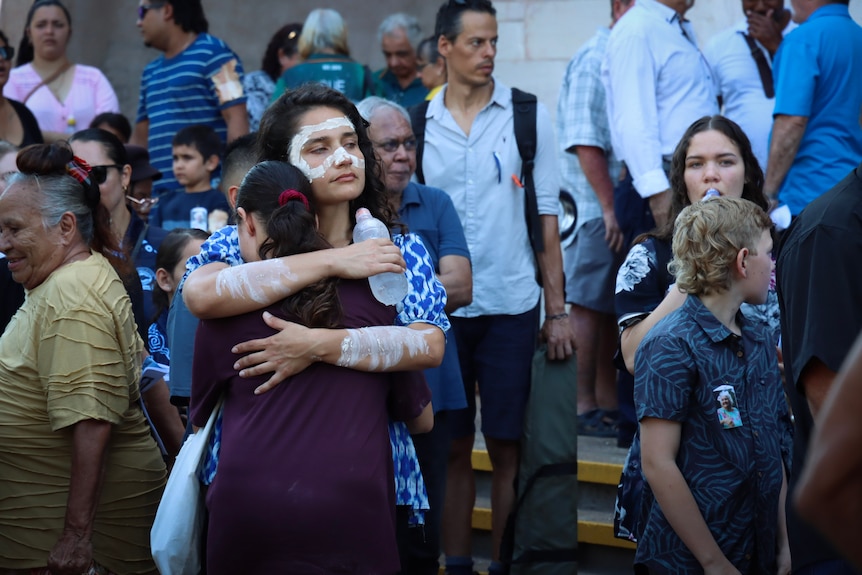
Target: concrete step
[600, 463]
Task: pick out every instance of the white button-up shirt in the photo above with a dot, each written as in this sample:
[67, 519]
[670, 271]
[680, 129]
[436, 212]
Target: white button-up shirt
[657, 84]
[476, 171]
[740, 85]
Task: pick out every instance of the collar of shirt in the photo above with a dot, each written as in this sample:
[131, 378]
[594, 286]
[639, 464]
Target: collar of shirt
[410, 195]
[387, 76]
[501, 96]
[714, 329]
[319, 56]
[742, 27]
[669, 15]
[830, 10]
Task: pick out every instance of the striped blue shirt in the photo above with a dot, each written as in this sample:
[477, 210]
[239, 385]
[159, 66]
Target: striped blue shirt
[191, 88]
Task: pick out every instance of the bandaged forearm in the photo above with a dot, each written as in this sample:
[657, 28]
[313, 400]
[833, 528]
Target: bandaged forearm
[263, 282]
[383, 347]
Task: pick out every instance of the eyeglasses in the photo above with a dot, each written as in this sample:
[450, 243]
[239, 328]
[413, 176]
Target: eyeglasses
[100, 173]
[143, 201]
[390, 146]
[7, 52]
[144, 8]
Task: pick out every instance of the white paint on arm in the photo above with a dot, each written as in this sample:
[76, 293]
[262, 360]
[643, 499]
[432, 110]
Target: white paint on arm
[383, 346]
[257, 281]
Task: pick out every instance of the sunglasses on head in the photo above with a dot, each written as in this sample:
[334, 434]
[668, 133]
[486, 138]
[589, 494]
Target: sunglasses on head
[100, 173]
[144, 8]
[7, 52]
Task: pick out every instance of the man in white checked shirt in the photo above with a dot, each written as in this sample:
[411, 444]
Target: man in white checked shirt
[589, 170]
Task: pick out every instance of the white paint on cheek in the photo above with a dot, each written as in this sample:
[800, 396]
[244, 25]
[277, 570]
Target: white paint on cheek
[384, 346]
[294, 151]
[254, 281]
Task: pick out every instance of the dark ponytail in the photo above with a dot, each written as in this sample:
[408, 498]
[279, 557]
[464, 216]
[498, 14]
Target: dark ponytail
[274, 192]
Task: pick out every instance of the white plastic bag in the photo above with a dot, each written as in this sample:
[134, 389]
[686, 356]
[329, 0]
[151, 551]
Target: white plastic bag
[176, 539]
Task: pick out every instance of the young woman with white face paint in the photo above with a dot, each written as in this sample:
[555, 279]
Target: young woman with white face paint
[323, 432]
[318, 130]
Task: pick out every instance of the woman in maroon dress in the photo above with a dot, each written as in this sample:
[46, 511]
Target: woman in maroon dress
[304, 482]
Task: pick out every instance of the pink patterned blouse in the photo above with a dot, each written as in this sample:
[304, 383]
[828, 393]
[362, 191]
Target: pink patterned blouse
[90, 95]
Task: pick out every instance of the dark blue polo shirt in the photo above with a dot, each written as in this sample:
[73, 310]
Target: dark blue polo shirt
[734, 473]
[429, 213]
[388, 87]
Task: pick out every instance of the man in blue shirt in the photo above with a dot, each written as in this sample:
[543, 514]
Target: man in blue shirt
[196, 81]
[816, 138]
[470, 151]
[428, 212]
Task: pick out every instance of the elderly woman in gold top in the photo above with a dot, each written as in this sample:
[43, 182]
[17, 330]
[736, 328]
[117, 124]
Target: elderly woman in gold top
[80, 474]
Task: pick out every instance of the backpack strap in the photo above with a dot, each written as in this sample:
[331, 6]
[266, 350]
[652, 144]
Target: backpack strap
[417, 118]
[524, 118]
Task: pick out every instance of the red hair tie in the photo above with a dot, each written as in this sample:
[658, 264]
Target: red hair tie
[288, 195]
[78, 169]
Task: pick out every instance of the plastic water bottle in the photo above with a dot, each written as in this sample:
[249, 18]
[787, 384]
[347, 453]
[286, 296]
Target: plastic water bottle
[711, 193]
[388, 288]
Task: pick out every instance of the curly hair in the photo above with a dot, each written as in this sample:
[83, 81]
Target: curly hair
[707, 238]
[752, 190]
[291, 229]
[282, 120]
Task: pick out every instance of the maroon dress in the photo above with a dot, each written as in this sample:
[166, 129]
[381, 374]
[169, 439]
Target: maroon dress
[304, 482]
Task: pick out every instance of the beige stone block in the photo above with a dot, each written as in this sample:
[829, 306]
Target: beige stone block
[511, 11]
[557, 28]
[542, 78]
[510, 45]
[709, 18]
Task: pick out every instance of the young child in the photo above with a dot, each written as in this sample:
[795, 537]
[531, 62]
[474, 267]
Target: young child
[717, 480]
[197, 152]
[178, 246]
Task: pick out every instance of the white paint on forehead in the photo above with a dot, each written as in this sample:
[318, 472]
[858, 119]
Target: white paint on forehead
[294, 152]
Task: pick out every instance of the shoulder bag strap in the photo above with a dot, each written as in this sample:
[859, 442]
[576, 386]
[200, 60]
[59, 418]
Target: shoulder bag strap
[47, 81]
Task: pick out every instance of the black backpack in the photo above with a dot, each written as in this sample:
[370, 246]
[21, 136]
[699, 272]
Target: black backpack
[525, 105]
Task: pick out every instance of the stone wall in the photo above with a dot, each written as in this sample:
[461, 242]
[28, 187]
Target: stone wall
[537, 37]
